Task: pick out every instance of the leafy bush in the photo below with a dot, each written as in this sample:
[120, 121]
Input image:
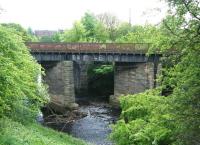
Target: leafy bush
[104, 69]
[20, 94]
[145, 120]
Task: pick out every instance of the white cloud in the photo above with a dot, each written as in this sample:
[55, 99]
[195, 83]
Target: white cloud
[55, 14]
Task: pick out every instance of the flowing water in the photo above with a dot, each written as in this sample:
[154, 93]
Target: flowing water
[95, 126]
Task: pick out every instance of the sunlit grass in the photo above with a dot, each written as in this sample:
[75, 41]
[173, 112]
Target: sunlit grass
[14, 133]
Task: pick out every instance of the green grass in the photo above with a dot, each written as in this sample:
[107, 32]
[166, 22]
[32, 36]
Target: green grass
[14, 133]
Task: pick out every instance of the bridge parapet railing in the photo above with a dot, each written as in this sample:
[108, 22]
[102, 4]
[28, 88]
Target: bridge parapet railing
[88, 47]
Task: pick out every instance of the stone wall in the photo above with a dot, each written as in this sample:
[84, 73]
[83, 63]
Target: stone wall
[132, 78]
[60, 79]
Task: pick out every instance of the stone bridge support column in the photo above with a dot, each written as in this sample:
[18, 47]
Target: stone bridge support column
[132, 78]
[60, 79]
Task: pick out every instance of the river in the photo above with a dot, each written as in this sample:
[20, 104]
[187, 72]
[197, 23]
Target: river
[94, 127]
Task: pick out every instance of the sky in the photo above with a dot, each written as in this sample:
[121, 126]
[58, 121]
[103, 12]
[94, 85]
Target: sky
[61, 14]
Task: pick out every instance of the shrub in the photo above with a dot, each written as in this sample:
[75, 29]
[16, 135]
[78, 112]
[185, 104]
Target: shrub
[20, 94]
[145, 120]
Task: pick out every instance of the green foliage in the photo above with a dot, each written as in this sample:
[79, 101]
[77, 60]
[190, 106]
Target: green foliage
[172, 120]
[101, 79]
[111, 24]
[19, 30]
[20, 94]
[45, 39]
[89, 29]
[139, 34]
[123, 29]
[103, 69]
[186, 82]
[89, 22]
[54, 38]
[145, 120]
[182, 27]
[101, 34]
[14, 133]
[32, 36]
[76, 34]
[107, 28]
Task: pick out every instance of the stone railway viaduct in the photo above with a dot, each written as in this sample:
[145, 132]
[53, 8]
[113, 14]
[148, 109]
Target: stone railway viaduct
[66, 66]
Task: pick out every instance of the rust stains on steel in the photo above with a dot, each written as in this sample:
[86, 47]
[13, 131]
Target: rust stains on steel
[88, 47]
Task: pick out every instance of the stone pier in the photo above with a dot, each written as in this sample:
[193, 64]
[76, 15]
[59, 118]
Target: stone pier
[132, 78]
[60, 79]
[67, 77]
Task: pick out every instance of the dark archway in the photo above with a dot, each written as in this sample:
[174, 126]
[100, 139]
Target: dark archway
[101, 80]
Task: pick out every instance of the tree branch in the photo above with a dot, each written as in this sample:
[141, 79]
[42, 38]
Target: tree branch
[186, 4]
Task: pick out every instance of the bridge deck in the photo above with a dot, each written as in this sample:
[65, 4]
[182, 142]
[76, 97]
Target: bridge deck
[137, 48]
[110, 52]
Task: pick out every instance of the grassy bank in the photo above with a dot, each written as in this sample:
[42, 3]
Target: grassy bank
[14, 133]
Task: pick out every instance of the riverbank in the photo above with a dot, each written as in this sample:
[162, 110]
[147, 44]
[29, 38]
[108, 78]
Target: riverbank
[14, 133]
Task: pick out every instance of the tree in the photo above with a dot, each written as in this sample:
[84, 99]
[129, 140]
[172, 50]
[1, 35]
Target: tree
[174, 118]
[30, 31]
[111, 23]
[183, 28]
[20, 94]
[123, 29]
[101, 34]
[76, 34]
[140, 34]
[32, 36]
[57, 37]
[89, 22]
[19, 31]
